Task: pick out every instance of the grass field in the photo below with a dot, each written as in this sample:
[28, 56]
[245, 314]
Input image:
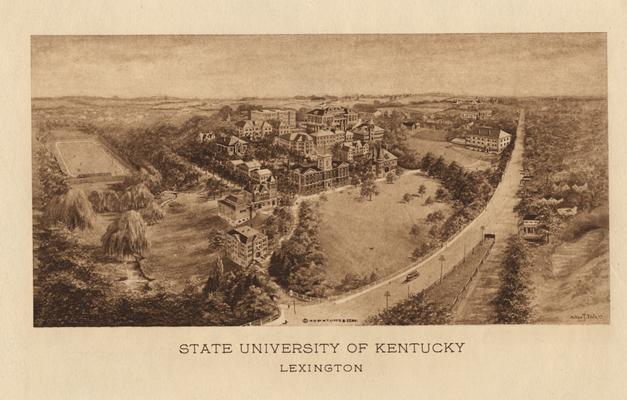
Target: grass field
[362, 236]
[179, 243]
[469, 159]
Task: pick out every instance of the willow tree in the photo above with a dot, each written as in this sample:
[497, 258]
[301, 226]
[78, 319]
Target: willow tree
[153, 213]
[126, 237]
[72, 209]
[96, 200]
[136, 197]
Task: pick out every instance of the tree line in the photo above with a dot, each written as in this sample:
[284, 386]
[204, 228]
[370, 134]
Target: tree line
[299, 264]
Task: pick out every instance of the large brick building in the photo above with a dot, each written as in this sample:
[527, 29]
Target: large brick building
[300, 143]
[326, 117]
[324, 175]
[367, 132]
[325, 139]
[493, 140]
[384, 161]
[232, 145]
[244, 245]
[351, 150]
[287, 117]
[235, 208]
[253, 130]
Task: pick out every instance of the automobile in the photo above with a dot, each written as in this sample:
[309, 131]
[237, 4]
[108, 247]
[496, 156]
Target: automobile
[411, 276]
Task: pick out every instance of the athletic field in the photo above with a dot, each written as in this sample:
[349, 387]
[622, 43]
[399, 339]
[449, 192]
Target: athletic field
[79, 158]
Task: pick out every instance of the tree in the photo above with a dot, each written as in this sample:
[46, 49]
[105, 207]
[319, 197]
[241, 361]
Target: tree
[73, 209]
[368, 187]
[51, 178]
[96, 200]
[407, 197]
[126, 237]
[415, 230]
[110, 201]
[435, 216]
[225, 112]
[153, 213]
[512, 301]
[428, 201]
[136, 197]
[441, 194]
[422, 189]
[216, 240]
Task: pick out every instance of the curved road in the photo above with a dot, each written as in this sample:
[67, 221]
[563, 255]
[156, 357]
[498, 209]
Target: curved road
[497, 218]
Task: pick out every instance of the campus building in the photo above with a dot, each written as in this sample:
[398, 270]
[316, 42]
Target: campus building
[244, 245]
[324, 175]
[493, 140]
[235, 208]
[232, 145]
[324, 139]
[253, 130]
[384, 161]
[367, 132]
[300, 143]
[351, 150]
[326, 117]
[286, 117]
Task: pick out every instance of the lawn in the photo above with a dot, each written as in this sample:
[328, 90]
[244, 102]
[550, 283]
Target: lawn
[469, 159]
[362, 236]
[179, 243]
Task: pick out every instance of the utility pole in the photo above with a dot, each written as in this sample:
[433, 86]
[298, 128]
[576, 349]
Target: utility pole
[482, 233]
[387, 299]
[442, 259]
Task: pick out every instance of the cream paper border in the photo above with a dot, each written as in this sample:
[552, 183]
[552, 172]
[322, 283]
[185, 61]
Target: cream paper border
[498, 362]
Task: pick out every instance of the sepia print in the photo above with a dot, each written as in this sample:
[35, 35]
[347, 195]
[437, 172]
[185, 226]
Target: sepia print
[320, 180]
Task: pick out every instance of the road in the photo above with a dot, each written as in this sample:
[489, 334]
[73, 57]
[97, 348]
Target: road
[497, 218]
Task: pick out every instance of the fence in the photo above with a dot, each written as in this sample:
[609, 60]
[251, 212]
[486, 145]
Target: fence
[474, 273]
[262, 321]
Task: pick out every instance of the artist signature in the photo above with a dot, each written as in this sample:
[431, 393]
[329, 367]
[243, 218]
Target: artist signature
[586, 316]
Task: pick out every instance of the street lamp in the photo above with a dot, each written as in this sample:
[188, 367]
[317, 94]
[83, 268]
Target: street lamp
[442, 259]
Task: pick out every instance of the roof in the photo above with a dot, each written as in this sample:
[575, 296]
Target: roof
[317, 111]
[493, 133]
[386, 155]
[296, 137]
[230, 140]
[322, 132]
[251, 164]
[241, 124]
[244, 234]
[235, 200]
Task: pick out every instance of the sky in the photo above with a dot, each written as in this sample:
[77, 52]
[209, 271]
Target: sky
[212, 66]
